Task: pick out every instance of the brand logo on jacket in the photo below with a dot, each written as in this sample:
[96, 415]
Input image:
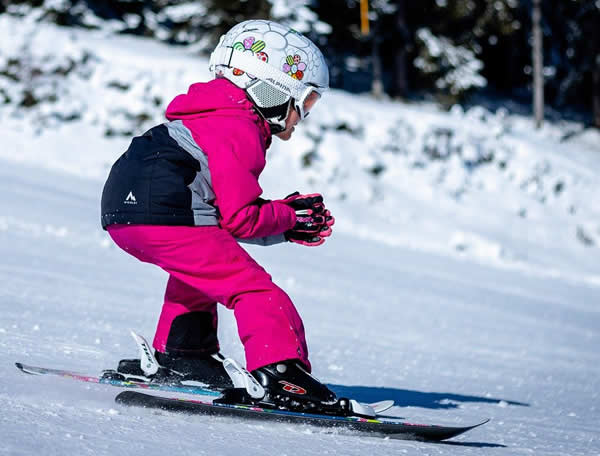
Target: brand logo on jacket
[130, 199]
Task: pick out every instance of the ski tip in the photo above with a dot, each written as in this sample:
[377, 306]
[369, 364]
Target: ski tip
[441, 433]
[22, 368]
[487, 420]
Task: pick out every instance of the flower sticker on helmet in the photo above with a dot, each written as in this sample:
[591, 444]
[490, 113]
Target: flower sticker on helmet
[255, 47]
[262, 56]
[248, 42]
[294, 66]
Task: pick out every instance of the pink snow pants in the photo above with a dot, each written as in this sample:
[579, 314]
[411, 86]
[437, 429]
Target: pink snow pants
[206, 265]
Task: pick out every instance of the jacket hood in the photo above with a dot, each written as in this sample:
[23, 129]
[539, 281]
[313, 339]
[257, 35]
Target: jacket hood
[220, 98]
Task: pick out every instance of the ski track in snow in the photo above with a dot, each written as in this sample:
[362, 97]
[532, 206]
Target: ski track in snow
[451, 340]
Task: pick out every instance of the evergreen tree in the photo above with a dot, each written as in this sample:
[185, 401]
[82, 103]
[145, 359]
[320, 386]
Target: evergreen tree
[224, 14]
[574, 54]
[447, 47]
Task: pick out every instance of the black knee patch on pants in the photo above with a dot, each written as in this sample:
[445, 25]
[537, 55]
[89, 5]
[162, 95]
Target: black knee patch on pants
[193, 334]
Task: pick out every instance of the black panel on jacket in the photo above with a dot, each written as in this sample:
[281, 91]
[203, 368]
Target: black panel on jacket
[148, 184]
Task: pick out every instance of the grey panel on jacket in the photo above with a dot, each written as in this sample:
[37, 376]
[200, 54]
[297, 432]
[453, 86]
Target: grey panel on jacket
[202, 192]
[265, 241]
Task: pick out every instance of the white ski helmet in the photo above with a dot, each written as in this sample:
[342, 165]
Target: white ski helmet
[274, 64]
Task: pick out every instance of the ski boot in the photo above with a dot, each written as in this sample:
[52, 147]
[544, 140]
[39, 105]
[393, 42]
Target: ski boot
[191, 355]
[207, 370]
[288, 386]
[171, 368]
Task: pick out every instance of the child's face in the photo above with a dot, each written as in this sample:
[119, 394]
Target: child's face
[293, 117]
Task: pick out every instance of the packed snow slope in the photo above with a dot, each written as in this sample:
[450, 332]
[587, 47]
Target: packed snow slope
[462, 279]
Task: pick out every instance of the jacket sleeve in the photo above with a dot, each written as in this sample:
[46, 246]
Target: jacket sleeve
[234, 169]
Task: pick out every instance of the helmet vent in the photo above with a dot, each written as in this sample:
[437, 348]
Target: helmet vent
[267, 96]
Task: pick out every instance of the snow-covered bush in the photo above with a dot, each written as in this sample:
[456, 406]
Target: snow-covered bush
[47, 79]
[39, 80]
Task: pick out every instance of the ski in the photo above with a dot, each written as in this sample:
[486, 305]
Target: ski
[378, 407]
[375, 427]
[107, 380]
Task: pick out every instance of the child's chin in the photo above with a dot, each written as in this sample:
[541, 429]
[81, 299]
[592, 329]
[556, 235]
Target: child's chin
[285, 135]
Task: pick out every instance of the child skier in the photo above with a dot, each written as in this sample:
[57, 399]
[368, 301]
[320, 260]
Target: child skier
[186, 190]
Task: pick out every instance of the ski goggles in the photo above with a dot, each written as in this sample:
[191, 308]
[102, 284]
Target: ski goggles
[308, 99]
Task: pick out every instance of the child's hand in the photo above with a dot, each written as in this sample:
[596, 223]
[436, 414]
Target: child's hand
[307, 239]
[299, 202]
[313, 220]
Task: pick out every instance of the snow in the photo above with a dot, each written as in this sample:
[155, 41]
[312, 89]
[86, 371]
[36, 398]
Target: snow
[458, 281]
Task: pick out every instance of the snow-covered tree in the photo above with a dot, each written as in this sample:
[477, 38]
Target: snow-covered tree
[454, 68]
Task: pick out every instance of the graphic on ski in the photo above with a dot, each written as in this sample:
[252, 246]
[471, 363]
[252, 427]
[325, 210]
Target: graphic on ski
[187, 389]
[391, 429]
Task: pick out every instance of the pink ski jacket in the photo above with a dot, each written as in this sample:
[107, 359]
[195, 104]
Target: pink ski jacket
[224, 125]
[199, 169]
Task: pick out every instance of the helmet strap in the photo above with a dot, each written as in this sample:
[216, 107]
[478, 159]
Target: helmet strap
[275, 116]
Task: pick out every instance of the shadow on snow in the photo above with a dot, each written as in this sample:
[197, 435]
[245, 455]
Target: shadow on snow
[408, 398]
[471, 444]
